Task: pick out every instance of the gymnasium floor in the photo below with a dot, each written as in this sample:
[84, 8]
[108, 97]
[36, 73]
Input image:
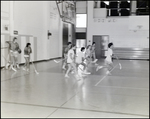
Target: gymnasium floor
[123, 94]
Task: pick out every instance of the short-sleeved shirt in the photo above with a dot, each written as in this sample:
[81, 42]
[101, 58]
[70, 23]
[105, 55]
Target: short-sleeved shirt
[109, 55]
[66, 50]
[14, 46]
[80, 57]
[93, 49]
[88, 53]
[69, 60]
[27, 50]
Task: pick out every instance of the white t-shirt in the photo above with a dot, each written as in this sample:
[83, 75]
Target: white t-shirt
[87, 53]
[109, 55]
[80, 56]
[93, 49]
[69, 60]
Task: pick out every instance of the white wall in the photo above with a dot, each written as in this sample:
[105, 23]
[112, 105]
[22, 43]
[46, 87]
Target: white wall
[32, 20]
[135, 21]
[36, 18]
[99, 12]
[118, 30]
[80, 30]
[5, 21]
[81, 7]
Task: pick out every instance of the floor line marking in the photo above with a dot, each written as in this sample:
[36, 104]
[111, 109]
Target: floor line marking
[105, 75]
[17, 76]
[124, 87]
[76, 109]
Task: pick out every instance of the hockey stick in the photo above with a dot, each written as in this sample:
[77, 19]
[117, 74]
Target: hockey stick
[34, 67]
[58, 61]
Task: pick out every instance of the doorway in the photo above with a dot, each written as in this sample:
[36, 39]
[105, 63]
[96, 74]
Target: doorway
[65, 37]
[101, 45]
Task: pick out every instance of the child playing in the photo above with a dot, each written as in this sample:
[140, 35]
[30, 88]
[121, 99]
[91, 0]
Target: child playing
[80, 56]
[71, 61]
[27, 52]
[81, 66]
[65, 55]
[108, 59]
[93, 56]
[14, 51]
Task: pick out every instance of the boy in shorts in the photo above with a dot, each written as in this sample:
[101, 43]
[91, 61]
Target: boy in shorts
[14, 48]
[71, 61]
[65, 55]
[108, 59]
[93, 56]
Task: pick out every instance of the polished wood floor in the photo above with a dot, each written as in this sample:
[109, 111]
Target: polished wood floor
[49, 94]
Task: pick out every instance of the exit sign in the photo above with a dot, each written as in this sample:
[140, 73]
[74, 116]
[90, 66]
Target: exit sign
[16, 32]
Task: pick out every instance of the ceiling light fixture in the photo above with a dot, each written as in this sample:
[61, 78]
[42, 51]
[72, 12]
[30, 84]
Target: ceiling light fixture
[106, 2]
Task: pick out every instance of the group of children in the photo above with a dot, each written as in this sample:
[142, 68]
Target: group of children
[79, 62]
[13, 52]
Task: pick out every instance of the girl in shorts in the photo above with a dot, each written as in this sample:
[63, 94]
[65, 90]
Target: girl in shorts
[27, 52]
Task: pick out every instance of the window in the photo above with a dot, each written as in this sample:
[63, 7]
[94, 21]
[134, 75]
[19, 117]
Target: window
[142, 7]
[81, 20]
[122, 7]
[116, 7]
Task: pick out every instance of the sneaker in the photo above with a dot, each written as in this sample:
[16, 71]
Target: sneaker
[10, 67]
[108, 73]
[81, 67]
[95, 61]
[13, 69]
[7, 65]
[99, 67]
[96, 64]
[72, 72]
[23, 68]
[56, 61]
[78, 77]
[66, 76]
[18, 66]
[63, 68]
[87, 72]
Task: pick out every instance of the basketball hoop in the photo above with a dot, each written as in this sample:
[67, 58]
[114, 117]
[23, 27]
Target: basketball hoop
[67, 10]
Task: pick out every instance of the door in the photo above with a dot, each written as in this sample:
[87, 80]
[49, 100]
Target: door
[98, 52]
[65, 37]
[101, 45]
[73, 34]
